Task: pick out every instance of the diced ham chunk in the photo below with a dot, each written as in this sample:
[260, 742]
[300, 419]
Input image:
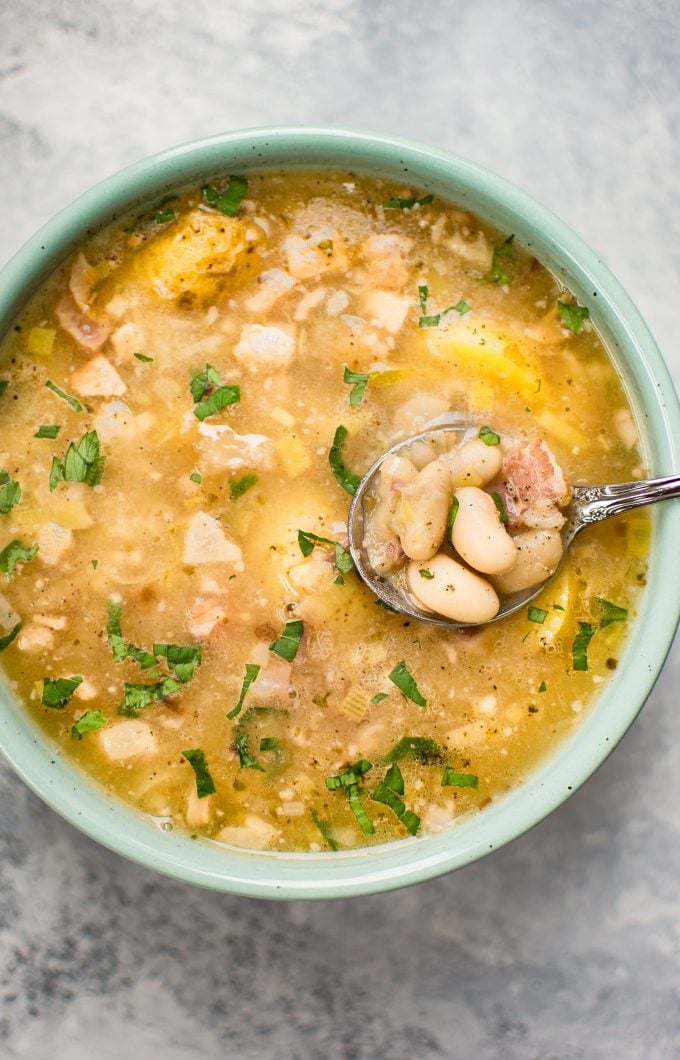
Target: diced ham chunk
[534, 488]
[206, 542]
[86, 330]
[97, 378]
[260, 346]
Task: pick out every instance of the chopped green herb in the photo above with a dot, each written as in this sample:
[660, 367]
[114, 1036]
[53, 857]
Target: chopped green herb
[269, 743]
[394, 779]
[325, 830]
[10, 493]
[286, 647]
[246, 760]
[114, 633]
[378, 697]
[162, 217]
[196, 477]
[15, 553]
[204, 782]
[537, 614]
[502, 514]
[219, 399]
[425, 573]
[557, 607]
[94, 563]
[9, 637]
[460, 307]
[451, 518]
[451, 779]
[4, 383]
[406, 204]
[138, 697]
[502, 255]
[359, 812]
[431, 321]
[202, 382]
[388, 792]
[401, 677]
[419, 748]
[572, 315]
[90, 721]
[252, 670]
[345, 478]
[143, 358]
[73, 402]
[82, 463]
[424, 320]
[229, 200]
[349, 776]
[385, 794]
[385, 606]
[489, 437]
[542, 687]
[239, 486]
[343, 561]
[610, 612]
[57, 691]
[358, 380]
[579, 650]
[47, 430]
[182, 659]
[423, 295]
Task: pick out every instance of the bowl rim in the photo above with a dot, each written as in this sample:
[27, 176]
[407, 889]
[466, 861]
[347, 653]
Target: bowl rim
[267, 874]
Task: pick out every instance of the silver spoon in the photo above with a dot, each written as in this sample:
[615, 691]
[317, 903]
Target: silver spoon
[588, 504]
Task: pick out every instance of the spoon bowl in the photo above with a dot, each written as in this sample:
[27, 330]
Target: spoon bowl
[587, 505]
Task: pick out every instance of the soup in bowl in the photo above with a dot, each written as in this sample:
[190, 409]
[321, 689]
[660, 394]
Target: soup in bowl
[219, 343]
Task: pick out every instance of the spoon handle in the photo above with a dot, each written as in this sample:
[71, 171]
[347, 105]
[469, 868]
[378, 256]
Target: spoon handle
[593, 503]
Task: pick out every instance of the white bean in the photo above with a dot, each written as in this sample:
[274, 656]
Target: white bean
[538, 555]
[474, 464]
[478, 535]
[425, 506]
[452, 590]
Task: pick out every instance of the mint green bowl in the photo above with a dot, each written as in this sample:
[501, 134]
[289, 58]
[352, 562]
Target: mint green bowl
[384, 867]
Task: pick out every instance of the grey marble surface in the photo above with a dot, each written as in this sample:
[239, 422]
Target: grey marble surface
[566, 943]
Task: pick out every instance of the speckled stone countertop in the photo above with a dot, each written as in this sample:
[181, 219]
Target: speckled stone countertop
[565, 943]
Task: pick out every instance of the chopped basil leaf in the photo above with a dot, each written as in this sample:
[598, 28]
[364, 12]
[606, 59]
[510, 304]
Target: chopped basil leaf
[161, 218]
[351, 775]
[388, 792]
[406, 204]
[204, 782]
[611, 612]
[196, 477]
[378, 697]
[286, 647]
[252, 670]
[343, 561]
[572, 315]
[145, 659]
[47, 430]
[542, 687]
[137, 697]
[401, 677]
[451, 517]
[219, 399]
[460, 307]
[419, 748]
[114, 633]
[537, 614]
[143, 358]
[384, 794]
[57, 691]
[359, 381]
[9, 637]
[229, 200]
[424, 320]
[502, 255]
[180, 658]
[73, 402]
[239, 486]
[325, 831]
[431, 321]
[359, 812]
[422, 297]
[269, 743]
[489, 437]
[579, 650]
[90, 721]
[425, 573]
[94, 563]
[385, 606]
[15, 553]
[82, 463]
[502, 514]
[451, 779]
[4, 383]
[246, 760]
[410, 822]
[10, 493]
[202, 382]
[394, 779]
[345, 478]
